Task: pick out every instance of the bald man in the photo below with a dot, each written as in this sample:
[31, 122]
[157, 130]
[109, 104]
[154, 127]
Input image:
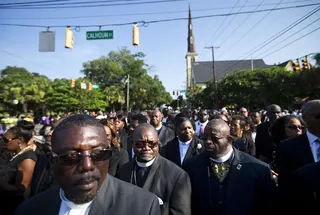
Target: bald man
[227, 181]
[299, 151]
[264, 143]
[156, 174]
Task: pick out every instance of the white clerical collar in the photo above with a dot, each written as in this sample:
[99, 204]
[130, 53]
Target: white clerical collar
[184, 143]
[224, 158]
[149, 163]
[72, 205]
[159, 127]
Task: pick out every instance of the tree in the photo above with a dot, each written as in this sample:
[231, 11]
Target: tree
[111, 73]
[28, 88]
[316, 57]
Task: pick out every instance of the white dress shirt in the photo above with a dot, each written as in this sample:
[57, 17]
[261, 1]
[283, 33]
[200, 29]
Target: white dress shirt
[183, 148]
[224, 158]
[313, 145]
[69, 208]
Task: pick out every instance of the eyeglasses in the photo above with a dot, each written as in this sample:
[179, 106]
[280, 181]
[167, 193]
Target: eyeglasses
[73, 159]
[295, 127]
[5, 140]
[150, 144]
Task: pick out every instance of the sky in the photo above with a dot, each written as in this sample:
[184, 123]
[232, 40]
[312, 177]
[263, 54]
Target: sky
[164, 43]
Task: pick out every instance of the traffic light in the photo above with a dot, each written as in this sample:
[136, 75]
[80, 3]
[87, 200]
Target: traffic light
[135, 39]
[90, 86]
[192, 90]
[177, 92]
[173, 92]
[69, 38]
[296, 66]
[305, 63]
[73, 83]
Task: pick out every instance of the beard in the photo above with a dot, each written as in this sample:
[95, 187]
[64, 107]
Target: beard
[83, 200]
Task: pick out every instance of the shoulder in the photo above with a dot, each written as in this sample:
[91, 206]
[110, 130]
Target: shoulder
[246, 158]
[195, 161]
[28, 155]
[167, 164]
[131, 192]
[39, 202]
[293, 142]
[309, 172]
[123, 152]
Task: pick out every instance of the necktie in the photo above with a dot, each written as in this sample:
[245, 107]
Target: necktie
[202, 129]
[220, 169]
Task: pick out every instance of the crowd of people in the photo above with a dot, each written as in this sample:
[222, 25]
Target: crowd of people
[163, 162]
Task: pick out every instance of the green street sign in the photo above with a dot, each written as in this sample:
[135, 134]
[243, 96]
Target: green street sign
[184, 91]
[99, 35]
[95, 86]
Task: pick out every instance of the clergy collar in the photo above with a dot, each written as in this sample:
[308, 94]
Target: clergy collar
[147, 164]
[224, 158]
[159, 127]
[184, 143]
[70, 204]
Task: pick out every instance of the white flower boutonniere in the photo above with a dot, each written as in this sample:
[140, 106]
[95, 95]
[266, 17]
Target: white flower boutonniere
[199, 146]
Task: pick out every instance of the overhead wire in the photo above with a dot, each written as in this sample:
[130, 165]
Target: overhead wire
[288, 37]
[61, 6]
[293, 41]
[272, 38]
[231, 20]
[145, 23]
[215, 32]
[239, 26]
[249, 31]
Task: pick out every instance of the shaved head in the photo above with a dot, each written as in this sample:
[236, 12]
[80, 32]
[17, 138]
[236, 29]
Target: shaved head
[142, 127]
[311, 107]
[311, 115]
[220, 125]
[273, 112]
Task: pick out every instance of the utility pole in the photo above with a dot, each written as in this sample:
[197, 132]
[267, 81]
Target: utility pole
[214, 76]
[128, 91]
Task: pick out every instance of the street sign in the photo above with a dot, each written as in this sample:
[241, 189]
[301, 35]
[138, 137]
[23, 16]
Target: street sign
[83, 85]
[47, 41]
[184, 91]
[95, 86]
[99, 35]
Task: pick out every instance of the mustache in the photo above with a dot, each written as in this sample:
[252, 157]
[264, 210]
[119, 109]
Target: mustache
[86, 179]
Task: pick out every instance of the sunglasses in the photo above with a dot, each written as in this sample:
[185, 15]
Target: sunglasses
[73, 159]
[150, 144]
[295, 127]
[5, 140]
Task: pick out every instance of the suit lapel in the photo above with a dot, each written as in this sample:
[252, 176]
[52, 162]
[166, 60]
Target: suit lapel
[174, 151]
[162, 132]
[54, 207]
[191, 149]
[153, 176]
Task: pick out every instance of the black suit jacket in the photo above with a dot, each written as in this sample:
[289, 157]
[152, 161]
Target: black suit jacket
[171, 151]
[166, 134]
[248, 190]
[167, 181]
[306, 187]
[292, 154]
[114, 197]
[264, 143]
[117, 159]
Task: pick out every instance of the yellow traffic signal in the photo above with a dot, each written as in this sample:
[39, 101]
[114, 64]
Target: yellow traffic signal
[73, 83]
[296, 66]
[69, 38]
[305, 63]
[90, 86]
[135, 39]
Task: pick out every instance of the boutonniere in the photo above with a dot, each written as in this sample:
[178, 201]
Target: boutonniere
[199, 146]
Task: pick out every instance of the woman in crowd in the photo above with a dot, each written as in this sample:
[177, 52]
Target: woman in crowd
[119, 155]
[121, 127]
[16, 172]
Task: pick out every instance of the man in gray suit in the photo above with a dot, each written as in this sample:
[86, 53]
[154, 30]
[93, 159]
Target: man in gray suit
[80, 160]
[156, 174]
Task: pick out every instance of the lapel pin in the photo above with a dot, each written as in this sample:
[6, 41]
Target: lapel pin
[239, 166]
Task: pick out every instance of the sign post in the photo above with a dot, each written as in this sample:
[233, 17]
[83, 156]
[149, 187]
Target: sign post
[99, 35]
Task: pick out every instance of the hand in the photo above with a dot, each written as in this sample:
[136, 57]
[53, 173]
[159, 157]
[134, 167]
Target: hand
[275, 176]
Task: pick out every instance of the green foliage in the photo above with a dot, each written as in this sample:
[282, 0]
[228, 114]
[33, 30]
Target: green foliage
[260, 87]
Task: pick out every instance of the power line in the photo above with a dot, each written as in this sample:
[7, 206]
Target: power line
[272, 38]
[291, 35]
[157, 21]
[221, 24]
[292, 42]
[232, 33]
[231, 21]
[22, 3]
[9, 53]
[87, 6]
[249, 31]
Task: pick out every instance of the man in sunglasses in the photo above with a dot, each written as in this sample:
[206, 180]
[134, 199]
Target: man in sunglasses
[299, 151]
[80, 160]
[156, 174]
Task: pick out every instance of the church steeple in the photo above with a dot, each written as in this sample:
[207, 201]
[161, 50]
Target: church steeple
[191, 45]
